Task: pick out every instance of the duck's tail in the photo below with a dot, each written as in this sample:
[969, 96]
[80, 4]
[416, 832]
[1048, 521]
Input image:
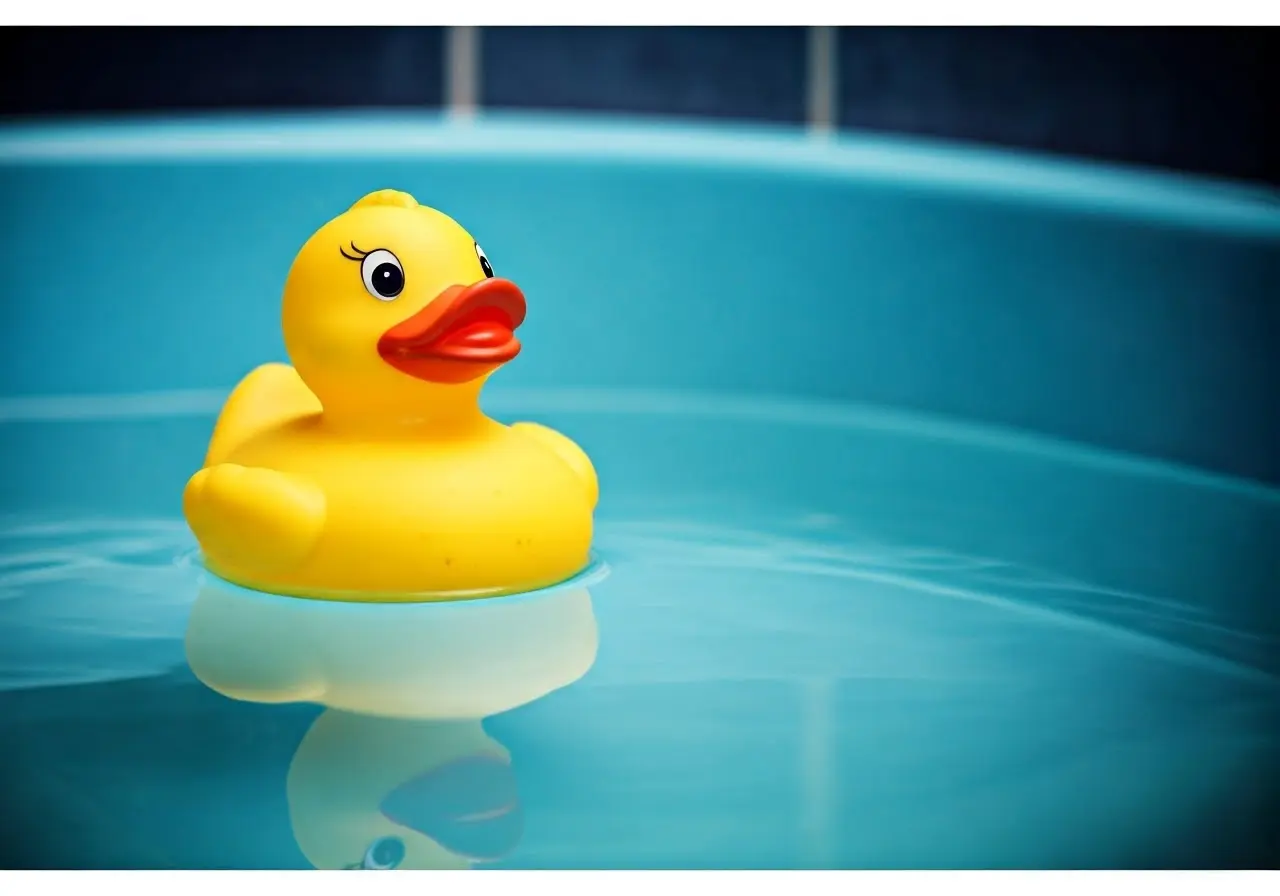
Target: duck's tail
[268, 396]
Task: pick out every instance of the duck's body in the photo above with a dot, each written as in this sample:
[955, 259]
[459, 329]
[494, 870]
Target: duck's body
[405, 492]
[289, 504]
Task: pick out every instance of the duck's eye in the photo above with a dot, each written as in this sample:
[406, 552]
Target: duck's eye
[383, 854]
[484, 261]
[383, 275]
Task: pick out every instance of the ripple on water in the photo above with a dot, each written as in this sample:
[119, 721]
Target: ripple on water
[92, 600]
[100, 599]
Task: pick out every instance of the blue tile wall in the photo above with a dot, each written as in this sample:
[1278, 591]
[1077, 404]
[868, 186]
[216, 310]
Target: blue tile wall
[747, 73]
[1195, 99]
[96, 70]
[1200, 99]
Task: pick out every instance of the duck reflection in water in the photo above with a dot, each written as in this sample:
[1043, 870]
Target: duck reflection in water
[398, 771]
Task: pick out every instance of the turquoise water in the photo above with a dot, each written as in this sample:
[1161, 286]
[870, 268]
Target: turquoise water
[829, 636]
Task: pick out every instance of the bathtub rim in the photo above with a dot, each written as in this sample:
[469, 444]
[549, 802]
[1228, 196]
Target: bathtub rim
[1141, 195]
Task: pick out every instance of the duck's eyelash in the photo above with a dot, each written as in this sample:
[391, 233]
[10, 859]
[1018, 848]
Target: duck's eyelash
[359, 256]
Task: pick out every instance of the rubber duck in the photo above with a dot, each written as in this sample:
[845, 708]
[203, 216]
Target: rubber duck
[365, 469]
[397, 772]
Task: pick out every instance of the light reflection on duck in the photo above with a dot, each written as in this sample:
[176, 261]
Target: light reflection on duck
[398, 771]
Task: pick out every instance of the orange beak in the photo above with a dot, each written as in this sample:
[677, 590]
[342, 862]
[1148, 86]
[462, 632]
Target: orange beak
[461, 334]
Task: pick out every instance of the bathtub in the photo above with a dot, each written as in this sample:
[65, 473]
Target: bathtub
[940, 501]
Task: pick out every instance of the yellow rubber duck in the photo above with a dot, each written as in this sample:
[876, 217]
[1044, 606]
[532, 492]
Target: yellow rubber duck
[367, 471]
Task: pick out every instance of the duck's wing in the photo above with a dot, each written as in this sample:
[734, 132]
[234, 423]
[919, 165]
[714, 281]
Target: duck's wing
[568, 451]
[250, 517]
[270, 395]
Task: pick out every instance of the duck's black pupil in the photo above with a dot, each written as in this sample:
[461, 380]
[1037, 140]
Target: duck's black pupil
[388, 279]
[488, 268]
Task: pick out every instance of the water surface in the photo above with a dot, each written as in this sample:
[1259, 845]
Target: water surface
[831, 637]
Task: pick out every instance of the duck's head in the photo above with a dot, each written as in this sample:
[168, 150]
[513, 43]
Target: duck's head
[392, 302]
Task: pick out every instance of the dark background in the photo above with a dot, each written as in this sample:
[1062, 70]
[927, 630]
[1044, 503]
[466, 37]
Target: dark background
[1195, 99]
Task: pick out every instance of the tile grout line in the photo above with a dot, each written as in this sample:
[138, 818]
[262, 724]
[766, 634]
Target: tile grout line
[820, 83]
[462, 71]
[463, 66]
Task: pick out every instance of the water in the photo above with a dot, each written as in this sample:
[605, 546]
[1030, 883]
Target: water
[830, 636]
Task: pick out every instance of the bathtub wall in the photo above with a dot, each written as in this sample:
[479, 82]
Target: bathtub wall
[1140, 317]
